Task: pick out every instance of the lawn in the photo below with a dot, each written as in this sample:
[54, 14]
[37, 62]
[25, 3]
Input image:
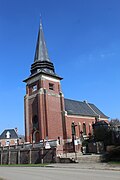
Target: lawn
[114, 163]
[23, 165]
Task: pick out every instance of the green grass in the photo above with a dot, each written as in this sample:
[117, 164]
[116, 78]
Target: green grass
[23, 165]
[114, 163]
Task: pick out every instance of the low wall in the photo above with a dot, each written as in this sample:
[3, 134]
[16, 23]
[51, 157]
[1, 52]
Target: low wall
[27, 156]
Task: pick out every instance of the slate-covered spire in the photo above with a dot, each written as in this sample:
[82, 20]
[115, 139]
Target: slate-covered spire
[41, 53]
[42, 62]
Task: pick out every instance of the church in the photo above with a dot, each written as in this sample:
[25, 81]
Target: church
[48, 114]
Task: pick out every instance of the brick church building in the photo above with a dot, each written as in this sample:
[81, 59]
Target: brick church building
[48, 115]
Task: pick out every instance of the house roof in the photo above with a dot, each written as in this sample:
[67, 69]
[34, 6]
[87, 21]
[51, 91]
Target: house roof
[12, 134]
[74, 107]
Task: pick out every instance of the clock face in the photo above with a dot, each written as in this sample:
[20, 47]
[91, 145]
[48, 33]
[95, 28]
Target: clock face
[34, 88]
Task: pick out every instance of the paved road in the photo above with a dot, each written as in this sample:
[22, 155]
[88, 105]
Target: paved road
[47, 173]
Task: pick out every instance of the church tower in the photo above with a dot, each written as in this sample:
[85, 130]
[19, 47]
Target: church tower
[43, 102]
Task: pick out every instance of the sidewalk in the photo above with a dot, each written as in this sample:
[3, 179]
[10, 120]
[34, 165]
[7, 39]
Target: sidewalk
[85, 165]
[92, 161]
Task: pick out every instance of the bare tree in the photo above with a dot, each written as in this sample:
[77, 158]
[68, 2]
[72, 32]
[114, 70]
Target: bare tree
[114, 122]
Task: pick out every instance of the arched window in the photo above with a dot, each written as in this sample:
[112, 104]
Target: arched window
[84, 129]
[35, 123]
[90, 129]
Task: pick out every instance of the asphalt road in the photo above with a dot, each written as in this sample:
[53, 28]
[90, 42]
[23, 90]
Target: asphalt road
[47, 173]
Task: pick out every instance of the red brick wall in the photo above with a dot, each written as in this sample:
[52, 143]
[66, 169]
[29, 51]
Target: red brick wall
[88, 121]
[45, 84]
[46, 105]
[54, 117]
[33, 110]
[32, 107]
[11, 142]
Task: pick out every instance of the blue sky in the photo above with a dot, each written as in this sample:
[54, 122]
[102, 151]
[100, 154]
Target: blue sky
[83, 41]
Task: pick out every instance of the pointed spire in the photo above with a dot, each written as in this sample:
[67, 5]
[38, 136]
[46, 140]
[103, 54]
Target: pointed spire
[42, 62]
[41, 53]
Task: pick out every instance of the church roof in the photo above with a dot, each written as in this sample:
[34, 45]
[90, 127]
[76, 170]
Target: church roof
[12, 134]
[82, 108]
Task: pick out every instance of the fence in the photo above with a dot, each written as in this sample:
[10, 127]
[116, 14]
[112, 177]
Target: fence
[12, 155]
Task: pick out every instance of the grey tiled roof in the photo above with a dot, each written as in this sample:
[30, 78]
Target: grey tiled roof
[13, 134]
[82, 108]
[102, 115]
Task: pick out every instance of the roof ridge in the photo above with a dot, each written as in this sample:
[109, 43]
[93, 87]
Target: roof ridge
[92, 108]
[73, 100]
